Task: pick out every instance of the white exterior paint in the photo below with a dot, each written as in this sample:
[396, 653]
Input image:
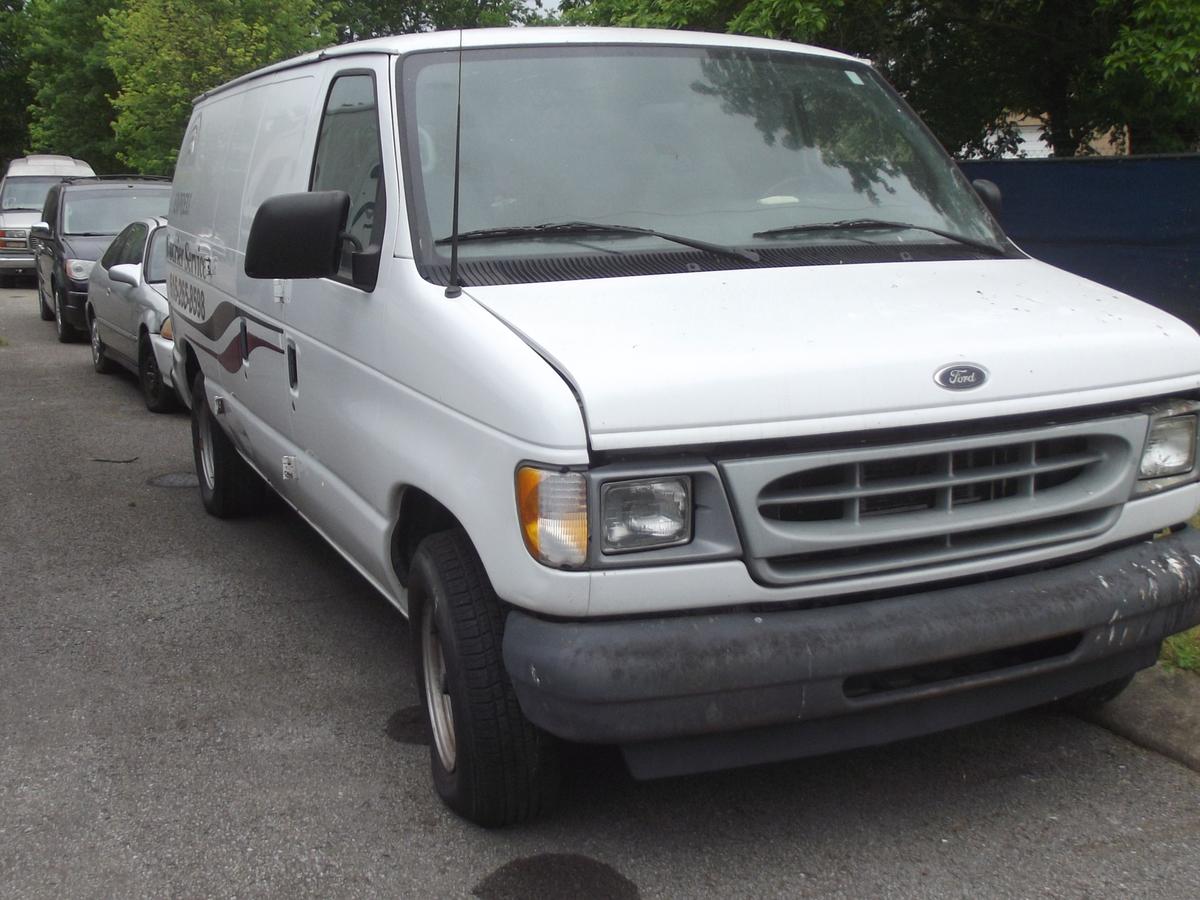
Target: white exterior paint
[402, 387]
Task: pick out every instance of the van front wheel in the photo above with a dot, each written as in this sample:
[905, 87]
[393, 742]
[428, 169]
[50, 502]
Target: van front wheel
[490, 764]
[228, 486]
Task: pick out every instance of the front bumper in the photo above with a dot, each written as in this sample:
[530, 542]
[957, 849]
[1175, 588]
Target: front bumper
[164, 351]
[17, 262]
[698, 692]
[75, 308]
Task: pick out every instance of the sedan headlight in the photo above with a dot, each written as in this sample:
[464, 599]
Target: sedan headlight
[167, 330]
[552, 506]
[79, 269]
[1170, 447]
[646, 513]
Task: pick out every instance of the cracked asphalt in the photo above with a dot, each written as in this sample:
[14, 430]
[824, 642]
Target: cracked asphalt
[197, 708]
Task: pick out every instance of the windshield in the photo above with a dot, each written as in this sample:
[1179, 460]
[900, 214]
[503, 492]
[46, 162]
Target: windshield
[26, 191]
[108, 211]
[155, 268]
[711, 144]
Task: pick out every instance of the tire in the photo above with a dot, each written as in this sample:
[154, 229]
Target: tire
[66, 334]
[1094, 698]
[159, 396]
[229, 488]
[101, 363]
[490, 764]
[44, 309]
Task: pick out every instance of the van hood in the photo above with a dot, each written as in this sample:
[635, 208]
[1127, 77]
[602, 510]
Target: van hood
[767, 353]
[19, 218]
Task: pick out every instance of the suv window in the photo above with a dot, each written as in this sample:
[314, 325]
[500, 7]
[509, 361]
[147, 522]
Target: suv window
[109, 210]
[349, 157]
[50, 210]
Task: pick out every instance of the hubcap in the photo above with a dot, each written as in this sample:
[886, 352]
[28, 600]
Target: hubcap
[207, 467]
[437, 701]
[95, 333]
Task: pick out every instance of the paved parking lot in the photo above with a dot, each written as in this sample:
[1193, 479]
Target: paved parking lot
[190, 707]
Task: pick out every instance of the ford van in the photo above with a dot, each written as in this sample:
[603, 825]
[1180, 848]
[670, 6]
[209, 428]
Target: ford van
[22, 193]
[682, 393]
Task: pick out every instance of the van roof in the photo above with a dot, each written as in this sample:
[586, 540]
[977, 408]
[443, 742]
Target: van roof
[476, 38]
[48, 164]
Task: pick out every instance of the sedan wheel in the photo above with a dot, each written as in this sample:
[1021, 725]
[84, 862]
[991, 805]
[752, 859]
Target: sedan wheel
[101, 363]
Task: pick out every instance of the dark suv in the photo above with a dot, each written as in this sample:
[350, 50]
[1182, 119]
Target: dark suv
[79, 221]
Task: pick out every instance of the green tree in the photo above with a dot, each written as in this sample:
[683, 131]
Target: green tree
[14, 80]
[166, 52]
[358, 19]
[71, 81]
[1154, 67]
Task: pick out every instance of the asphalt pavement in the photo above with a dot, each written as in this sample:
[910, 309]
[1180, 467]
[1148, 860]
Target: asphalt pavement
[198, 708]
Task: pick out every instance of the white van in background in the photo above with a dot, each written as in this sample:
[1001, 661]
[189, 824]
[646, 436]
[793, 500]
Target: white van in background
[22, 194]
[681, 391]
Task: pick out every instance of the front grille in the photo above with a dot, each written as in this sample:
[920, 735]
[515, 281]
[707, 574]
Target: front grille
[840, 514]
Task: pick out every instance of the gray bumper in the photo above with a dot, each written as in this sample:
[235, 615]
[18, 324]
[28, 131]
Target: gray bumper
[695, 692]
[17, 261]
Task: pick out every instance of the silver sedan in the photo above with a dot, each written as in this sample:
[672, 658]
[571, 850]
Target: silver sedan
[128, 318]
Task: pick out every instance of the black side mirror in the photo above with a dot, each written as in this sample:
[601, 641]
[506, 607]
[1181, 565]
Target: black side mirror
[989, 193]
[298, 235]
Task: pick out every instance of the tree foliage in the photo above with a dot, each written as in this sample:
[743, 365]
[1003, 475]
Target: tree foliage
[71, 81]
[166, 52]
[359, 19]
[14, 80]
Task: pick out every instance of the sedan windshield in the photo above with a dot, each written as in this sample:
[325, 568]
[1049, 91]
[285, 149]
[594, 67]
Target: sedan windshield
[26, 192]
[108, 211]
[737, 148]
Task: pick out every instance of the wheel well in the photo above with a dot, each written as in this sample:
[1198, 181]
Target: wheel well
[420, 516]
[191, 365]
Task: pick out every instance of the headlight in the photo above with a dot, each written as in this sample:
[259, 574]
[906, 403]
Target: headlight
[1170, 447]
[79, 269]
[552, 506]
[167, 331]
[650, 512]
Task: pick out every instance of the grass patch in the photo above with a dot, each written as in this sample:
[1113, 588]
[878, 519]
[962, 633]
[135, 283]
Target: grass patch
[3, 342]
[1182, 651]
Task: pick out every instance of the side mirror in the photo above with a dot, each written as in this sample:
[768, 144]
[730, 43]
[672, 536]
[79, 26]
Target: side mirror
[989, 193]
[40, 230]
[298, 235]
[126, 273]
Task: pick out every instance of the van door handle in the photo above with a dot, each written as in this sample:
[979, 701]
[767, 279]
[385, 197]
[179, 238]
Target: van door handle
[293, 377]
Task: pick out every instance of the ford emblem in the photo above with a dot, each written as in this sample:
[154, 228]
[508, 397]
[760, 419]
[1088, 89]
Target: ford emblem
[960, 376]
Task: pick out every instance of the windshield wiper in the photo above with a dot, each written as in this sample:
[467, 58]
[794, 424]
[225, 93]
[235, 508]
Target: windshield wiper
[560, 229]
[868, 224]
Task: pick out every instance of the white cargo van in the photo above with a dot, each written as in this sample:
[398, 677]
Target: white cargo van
[681, 391]
[22, 193]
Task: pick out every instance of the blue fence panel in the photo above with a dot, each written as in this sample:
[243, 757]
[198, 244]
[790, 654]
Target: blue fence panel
[1132, 223]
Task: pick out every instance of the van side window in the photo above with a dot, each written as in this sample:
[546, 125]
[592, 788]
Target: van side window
[349, 158]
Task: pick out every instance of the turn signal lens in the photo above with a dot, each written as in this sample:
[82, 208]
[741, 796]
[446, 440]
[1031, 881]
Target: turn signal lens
[553, 511]
[167, 331]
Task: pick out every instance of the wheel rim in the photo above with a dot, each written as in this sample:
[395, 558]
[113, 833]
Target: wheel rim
[95, 335]
[207, 466]
[437, 701]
